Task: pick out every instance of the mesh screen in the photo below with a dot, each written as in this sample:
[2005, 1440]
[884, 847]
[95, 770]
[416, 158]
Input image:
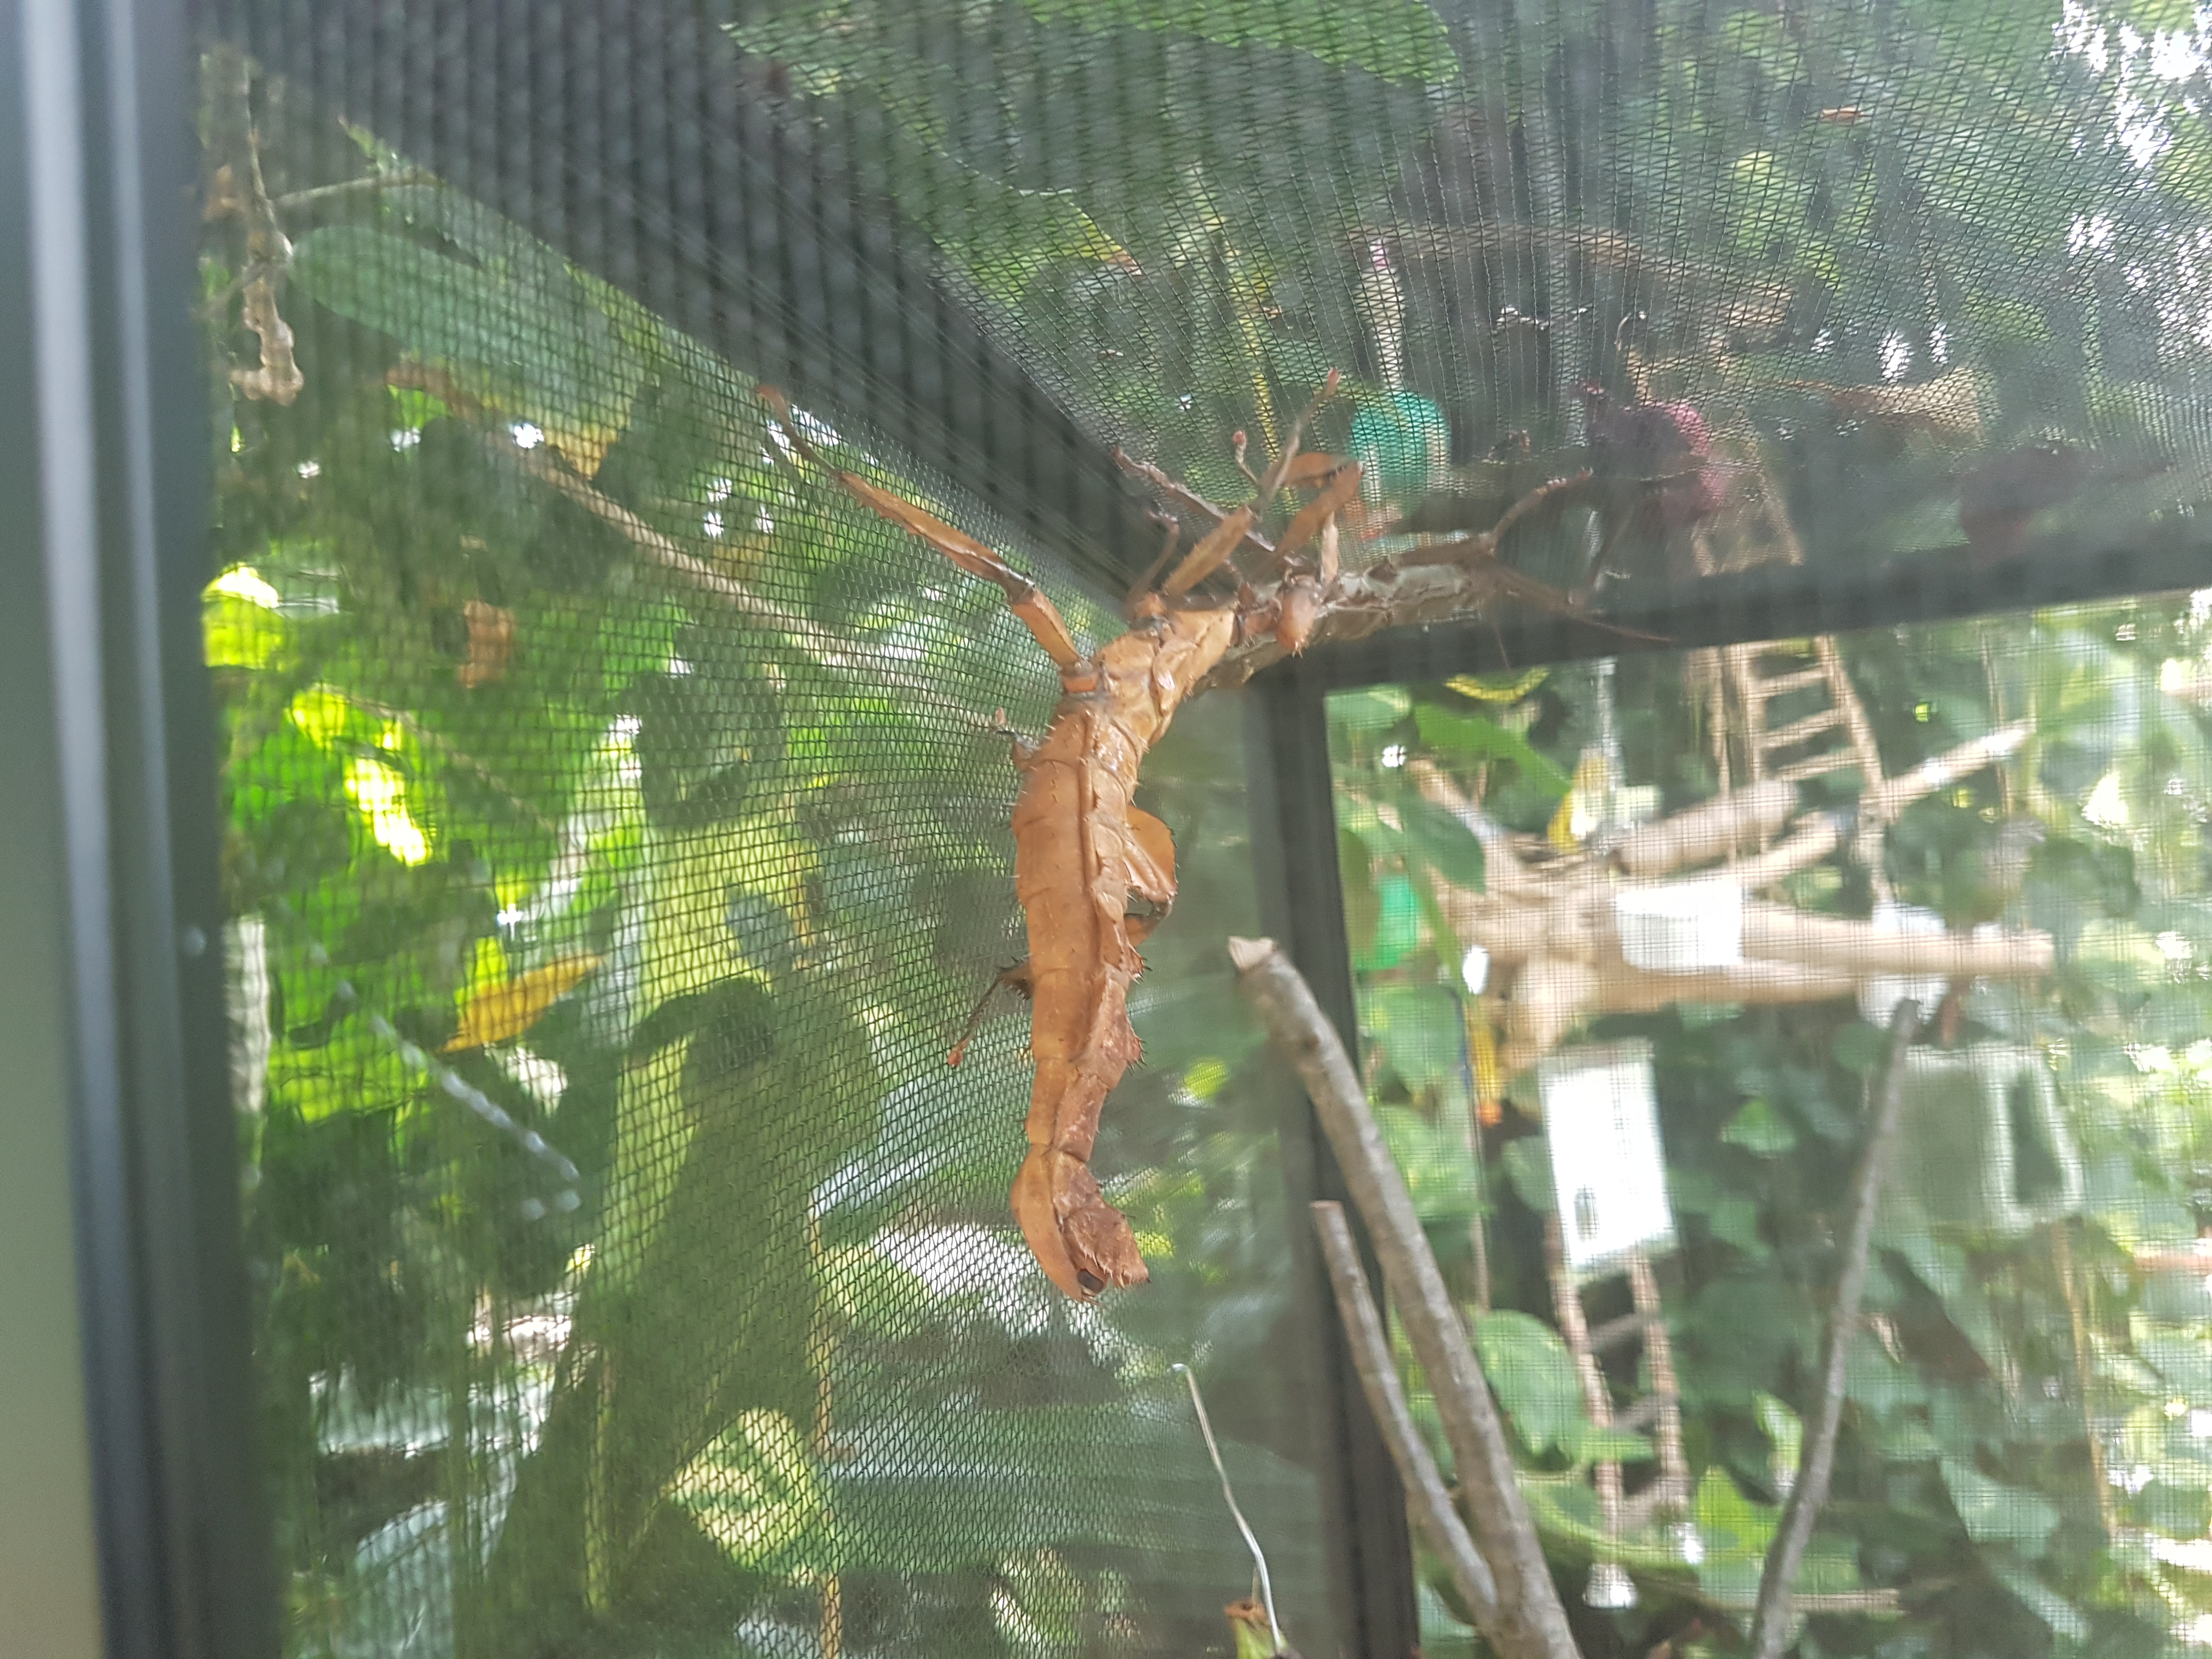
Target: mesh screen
[617, 839]
[617, 812]
[1632, 1066]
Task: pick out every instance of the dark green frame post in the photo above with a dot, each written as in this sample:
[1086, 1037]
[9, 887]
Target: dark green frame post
[127, 1522]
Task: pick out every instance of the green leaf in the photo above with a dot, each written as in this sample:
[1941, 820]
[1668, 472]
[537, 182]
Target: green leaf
[1584, 1442]
[1397, 39]
[1418, 1028]
[544, 346]
[1450, 733]
[1528, 1168]
[1397, 924]
[239, 633]
[1731, 1524]
[755, 1491]
[1761, 1130]
[2040, 1599]
[1533, 1375]
[1441, 838]
[1785, 1435]
[1373, 708]
[1995, 1513]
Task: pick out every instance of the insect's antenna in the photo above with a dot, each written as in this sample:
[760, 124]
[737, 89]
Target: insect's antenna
[1259, 1557]
[1281, 469]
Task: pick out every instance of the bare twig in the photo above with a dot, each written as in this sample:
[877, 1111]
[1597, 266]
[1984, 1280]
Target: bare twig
[1190, 500]
[294, 200]
[702, 578]
[240, 193]
[1389, 595]
[1532, 1623]
[1771, 1616]
[1433, 1513]
[1229, 1494]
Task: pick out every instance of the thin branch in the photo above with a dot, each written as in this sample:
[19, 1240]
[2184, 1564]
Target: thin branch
[1388, 594]
[701, 578]
[241, 193]
[1189, 501]
[294, 200]
[1771, 1617]
[1532, 1623]
[1439, 1521]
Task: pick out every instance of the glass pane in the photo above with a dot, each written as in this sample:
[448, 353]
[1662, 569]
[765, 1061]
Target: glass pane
[1627, 935]
[616, 840]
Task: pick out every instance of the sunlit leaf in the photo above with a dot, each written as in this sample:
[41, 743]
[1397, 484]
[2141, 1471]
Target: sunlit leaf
[498, 1012]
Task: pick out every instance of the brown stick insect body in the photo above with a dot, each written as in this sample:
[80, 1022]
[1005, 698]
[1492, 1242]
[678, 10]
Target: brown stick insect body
[1094, 872]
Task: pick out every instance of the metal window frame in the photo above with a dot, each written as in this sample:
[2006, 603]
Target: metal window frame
[128, 1333]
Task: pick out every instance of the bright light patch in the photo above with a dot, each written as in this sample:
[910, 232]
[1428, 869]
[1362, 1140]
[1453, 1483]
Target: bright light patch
[1896, 356]
[527, 435]
[407, 437]
[1474, 969]
[309, 469]
[320, 713]
[1394, 755]
[243, 581]
[711, 527]
[380, 794]
[2107, 806]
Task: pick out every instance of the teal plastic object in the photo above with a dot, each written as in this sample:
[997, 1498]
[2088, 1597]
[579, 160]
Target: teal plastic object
[1402, 443]
[1985, 1144]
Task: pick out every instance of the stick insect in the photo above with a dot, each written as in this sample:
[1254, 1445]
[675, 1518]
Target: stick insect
[1094, 872]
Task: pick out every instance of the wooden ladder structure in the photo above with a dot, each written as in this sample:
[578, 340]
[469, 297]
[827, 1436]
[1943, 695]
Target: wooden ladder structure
[1824, 734]
[1657, 1412]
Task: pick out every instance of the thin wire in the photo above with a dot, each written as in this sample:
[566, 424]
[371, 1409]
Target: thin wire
[1259, 1556]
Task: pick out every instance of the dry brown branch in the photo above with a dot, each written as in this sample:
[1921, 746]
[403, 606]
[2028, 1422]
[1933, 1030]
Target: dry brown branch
[1858, 951]
[277, 378]
[239, 192]
[1532, 1623]
[1388, 595]
[1551, 932]
[1813, 839]
[1432, 1504]
[696, 573]
[1708, 831]
[1770, 1618]
[1883, 802]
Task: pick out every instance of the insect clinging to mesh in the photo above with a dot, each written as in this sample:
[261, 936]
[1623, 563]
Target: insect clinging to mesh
[1094, 872]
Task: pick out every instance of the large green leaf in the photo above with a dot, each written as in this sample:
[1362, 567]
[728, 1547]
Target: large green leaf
[1532, 1376]
[1995, 1513]
[542, 344]
[1442, 841]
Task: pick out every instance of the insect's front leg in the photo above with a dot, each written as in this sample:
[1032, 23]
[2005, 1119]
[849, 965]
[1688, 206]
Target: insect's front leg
[1024, 748]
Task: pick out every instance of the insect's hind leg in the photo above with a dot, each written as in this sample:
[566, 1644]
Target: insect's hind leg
[1017, 978]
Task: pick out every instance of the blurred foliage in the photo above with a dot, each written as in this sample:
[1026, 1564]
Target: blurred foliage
[2029, 1489]
[631, 1275]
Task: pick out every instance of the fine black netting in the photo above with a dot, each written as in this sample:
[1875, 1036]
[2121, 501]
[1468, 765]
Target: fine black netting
[617, 811]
